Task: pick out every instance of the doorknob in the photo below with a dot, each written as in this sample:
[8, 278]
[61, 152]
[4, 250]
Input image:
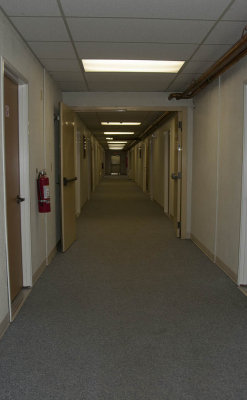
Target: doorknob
[19, 199]
[66, 180]
[175, 177]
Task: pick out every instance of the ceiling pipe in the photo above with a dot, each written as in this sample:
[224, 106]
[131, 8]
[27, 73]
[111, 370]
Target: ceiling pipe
[231, 57]
[160, 120]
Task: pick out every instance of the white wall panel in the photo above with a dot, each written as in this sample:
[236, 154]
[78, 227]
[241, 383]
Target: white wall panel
[230, 164]
[216, 202]
[205, 167]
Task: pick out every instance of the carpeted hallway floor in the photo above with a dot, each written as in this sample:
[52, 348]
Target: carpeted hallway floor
[128, 313]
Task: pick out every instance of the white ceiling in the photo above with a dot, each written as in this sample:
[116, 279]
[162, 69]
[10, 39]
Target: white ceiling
[61, 32]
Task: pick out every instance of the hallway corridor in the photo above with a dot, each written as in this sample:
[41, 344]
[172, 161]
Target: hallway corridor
[129, 312]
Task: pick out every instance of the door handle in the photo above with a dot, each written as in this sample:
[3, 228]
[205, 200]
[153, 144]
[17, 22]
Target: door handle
[175, 177]
[19, 199]
[66, 180]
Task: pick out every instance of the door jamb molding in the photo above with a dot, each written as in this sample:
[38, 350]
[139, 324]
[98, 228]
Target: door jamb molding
[24, 173]
[242, 268]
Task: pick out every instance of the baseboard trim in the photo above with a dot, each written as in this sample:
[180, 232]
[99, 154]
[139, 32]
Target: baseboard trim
[39, 272]
[4, 325]
[220, 264]
[44, 264]
[203, 248]
[227, 270]
[19, 301]
[52, 254]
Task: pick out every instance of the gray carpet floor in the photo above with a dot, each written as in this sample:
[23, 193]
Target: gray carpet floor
[129, 312]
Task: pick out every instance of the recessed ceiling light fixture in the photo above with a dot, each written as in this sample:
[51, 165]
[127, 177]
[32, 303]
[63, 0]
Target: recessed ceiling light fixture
[118, 142]
[109, 138]
[132, 66]
[119, 133]
[121, 123]
[116, 147]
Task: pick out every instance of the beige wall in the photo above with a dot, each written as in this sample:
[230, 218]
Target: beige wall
[43, 100]
[217, 166]
[83, 183]
[205, 167]
[136, 168]
[93, 150]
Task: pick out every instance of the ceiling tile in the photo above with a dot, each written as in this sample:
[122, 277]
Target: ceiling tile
[60, 65]
[139, 51]
[127, 86]
[237, 12]
[196, 67]
[41, 29]
[129, 78]
[30, 8]
[182, 82]
[226, 32]
[63, 76]
[138, 30]
[175, 9]
[72, 86]
[210, 52]
[53, 49]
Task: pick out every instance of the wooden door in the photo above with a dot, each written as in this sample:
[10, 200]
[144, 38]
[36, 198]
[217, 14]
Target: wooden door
[144, 167]
[68, 178]
[147, 166]
[179, 175]
[13, 186]
[175, 178]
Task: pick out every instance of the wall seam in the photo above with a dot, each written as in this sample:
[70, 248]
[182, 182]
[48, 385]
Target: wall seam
[217, 168]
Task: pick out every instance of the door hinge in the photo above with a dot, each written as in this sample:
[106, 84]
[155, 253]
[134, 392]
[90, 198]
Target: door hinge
[180, 125]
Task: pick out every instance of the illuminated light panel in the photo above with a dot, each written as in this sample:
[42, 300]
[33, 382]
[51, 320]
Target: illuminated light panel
[116, 145]
[121, 123]
[109, 138]
[119, 133]
[115, 148]
[118, 142]
[132, 66]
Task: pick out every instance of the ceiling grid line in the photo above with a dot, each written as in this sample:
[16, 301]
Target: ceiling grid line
[203, 41]
[73, 44]
[62, 33]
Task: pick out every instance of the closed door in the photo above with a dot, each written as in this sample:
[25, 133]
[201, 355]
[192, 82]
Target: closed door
[68, 178]
[175, 179]
[13, 186]
[115, 164]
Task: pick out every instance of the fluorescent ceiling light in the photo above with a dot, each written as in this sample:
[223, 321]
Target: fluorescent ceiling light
[120, 123]
[119, 133]
[109, 138]
[117, 145]
[132, 66]
[118, 142]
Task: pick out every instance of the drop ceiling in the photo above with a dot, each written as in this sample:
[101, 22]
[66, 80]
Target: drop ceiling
[61, 32]
[93, 122]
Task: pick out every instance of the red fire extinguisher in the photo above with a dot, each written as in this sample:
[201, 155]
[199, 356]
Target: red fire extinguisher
[43, 192]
